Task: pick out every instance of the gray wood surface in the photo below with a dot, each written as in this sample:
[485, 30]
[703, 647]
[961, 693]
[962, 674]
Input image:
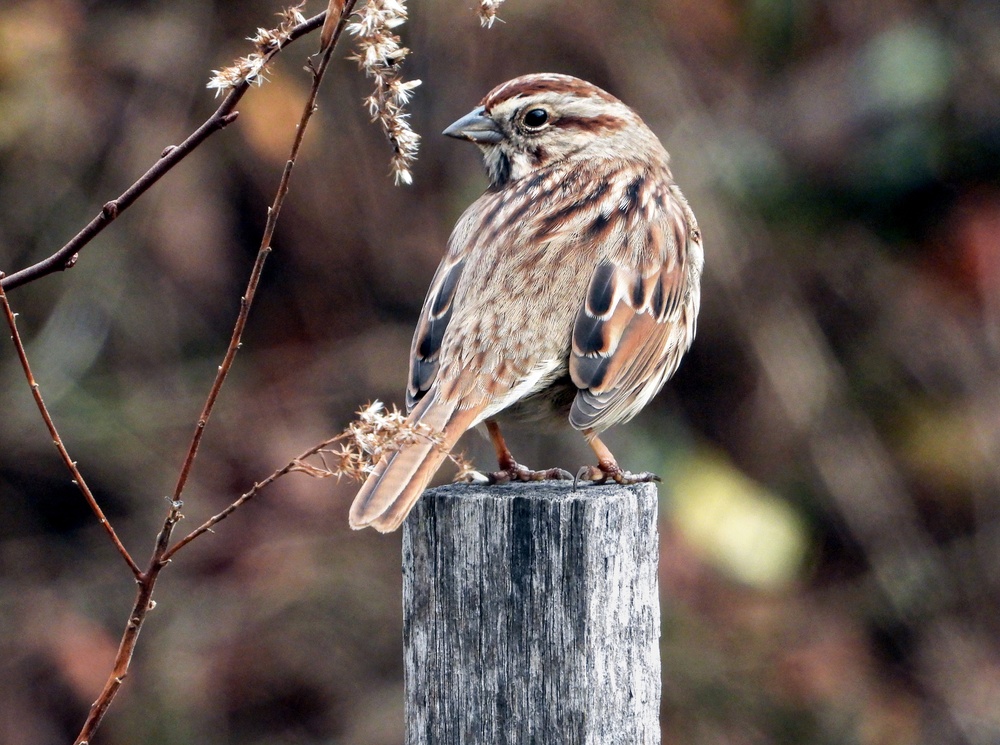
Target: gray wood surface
[531, 615]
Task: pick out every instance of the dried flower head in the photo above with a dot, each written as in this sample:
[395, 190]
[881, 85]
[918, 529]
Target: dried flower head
[380, 55]
[362, 444]
[251, 69]
[488, 12]
[268, 40]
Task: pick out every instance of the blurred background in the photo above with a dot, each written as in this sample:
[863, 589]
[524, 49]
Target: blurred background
[830, 531]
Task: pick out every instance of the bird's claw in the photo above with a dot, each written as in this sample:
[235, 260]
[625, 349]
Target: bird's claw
[517, 472]
[601, 473]
[592, 474]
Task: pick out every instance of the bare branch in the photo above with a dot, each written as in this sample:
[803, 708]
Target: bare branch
[206, 527]
[265, 249]
[66, 256]
[158, 560]
[363, 443]
[78, 479]
[142, 605]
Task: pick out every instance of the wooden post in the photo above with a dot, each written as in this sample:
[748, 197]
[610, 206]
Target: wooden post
[531, 615]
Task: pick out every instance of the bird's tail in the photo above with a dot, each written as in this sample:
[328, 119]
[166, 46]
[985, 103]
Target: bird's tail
[401, 476]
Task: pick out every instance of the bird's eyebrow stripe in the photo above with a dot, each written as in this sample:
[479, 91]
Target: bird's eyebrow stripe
[541, 85]
[593, 124]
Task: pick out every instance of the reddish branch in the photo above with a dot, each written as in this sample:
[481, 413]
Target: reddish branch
[78, 479]
[247, 300]
[296, 464]
[146, 580]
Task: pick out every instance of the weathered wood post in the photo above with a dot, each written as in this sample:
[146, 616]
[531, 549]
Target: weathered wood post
[530, 615]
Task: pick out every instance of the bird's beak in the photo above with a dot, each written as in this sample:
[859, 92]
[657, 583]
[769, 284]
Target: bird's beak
[476, 127]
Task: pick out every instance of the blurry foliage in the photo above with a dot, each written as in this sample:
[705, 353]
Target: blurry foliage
[844, 161]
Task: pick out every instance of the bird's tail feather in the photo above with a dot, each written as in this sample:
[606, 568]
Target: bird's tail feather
[401, 476]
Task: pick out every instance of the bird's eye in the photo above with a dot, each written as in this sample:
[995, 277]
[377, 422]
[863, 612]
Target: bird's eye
[535, 118]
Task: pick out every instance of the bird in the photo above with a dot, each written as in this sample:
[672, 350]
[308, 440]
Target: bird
[569, 290]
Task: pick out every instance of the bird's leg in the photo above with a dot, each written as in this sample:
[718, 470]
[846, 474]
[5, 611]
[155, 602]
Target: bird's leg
[510, 469]
[607, 467]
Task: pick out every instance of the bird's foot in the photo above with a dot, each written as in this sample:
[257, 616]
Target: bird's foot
[600, 474]
[516, 472]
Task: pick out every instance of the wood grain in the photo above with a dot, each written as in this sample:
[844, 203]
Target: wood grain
[531, 615]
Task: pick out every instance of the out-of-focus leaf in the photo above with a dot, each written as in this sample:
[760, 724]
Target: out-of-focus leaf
[905, 67]
[740, 526]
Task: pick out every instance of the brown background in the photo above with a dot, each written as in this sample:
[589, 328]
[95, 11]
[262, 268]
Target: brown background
[829, 448]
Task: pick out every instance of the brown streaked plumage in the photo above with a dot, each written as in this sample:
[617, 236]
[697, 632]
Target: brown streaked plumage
[570, 288]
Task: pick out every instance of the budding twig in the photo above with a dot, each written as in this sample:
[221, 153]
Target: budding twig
[376, 432]
[78, 479]
[207, 526]
[161, 549]
[265, 248]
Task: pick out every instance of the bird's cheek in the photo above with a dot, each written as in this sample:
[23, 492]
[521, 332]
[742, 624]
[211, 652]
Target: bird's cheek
[498, 166]
[539, 156]
[521, 164]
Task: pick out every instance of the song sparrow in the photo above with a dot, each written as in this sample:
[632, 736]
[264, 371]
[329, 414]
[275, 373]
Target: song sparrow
[570, 288]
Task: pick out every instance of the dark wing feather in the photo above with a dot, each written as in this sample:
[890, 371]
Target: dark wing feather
[637, 319]
[430, 330]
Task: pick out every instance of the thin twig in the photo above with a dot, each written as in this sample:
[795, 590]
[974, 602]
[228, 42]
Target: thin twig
[158, 560]
[65, 257]
[207, 526]
[143, 604]
[78, 479]
[265, 249]
[376, 432]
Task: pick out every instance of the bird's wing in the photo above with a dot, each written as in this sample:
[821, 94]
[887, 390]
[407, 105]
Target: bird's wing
[638, 317]
[434, 317]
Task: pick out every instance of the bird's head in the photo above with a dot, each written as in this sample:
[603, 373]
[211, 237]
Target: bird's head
[536, 120]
